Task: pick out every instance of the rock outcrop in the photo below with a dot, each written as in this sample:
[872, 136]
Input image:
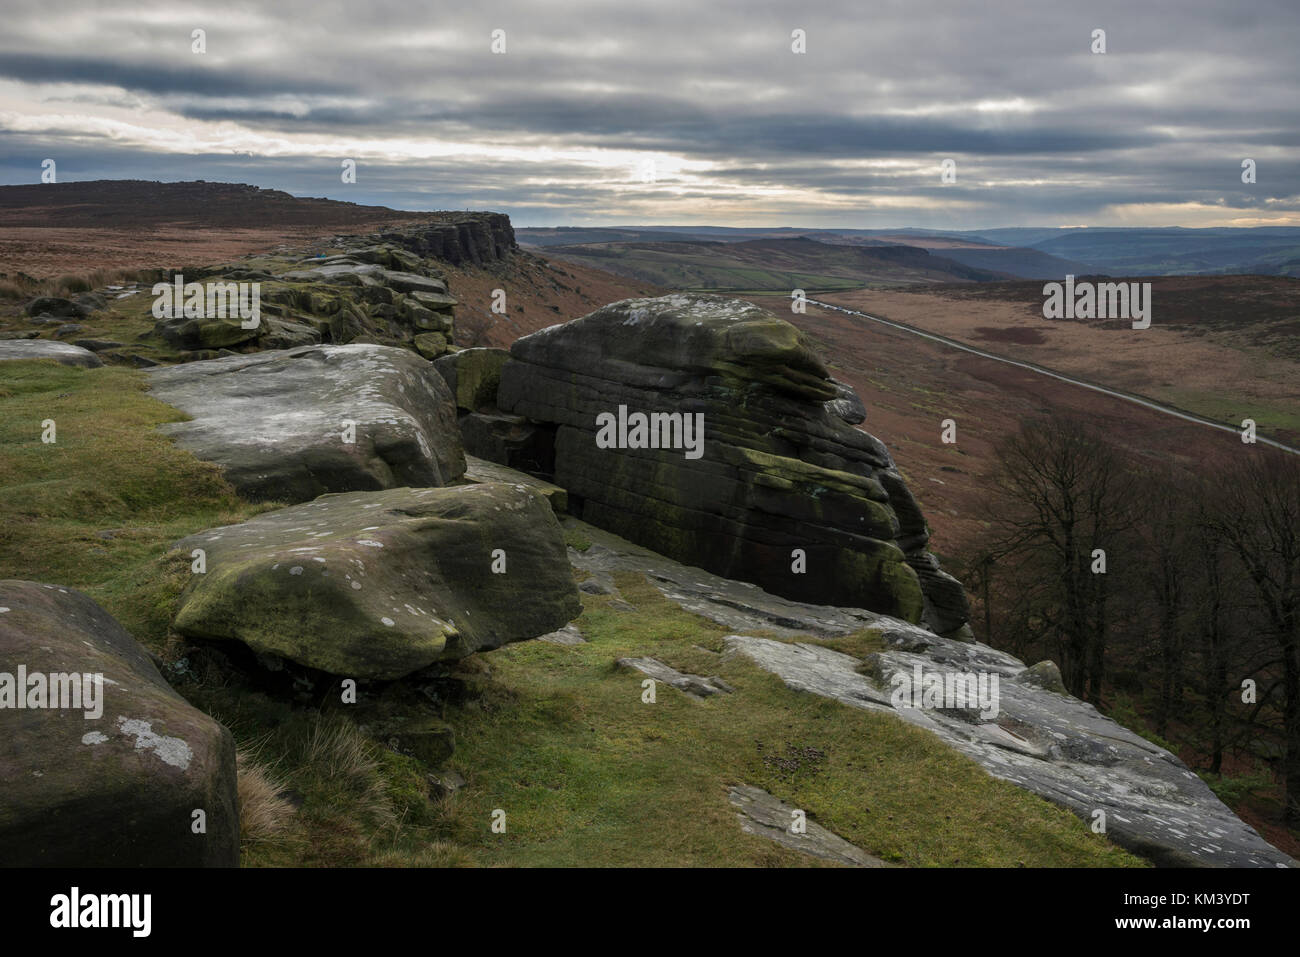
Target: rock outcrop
[119, 788]
[475, 238]
[473, 375]
[60, 352]
[383, 584]
[778, 488]
[695, 686]
[290, 425]
[363, 290]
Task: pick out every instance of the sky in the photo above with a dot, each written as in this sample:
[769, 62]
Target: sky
[679, 113]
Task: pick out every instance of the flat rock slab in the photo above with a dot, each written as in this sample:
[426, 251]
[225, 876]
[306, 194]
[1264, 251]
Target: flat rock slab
[568, 635]
[693, 685]
[766, 816]
[1046, 742]
[118, 788]
[736, 605]
[481, 470]
[805, 667]
[278, 422]
[382, 584]
[1051, 744]
[68, 355]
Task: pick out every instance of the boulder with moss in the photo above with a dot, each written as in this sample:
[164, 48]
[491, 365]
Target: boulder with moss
[473, 376]
[290, 425]
[121, 779]
[779, 489]
[380, 585]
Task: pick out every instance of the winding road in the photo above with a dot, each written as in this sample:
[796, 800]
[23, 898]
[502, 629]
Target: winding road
[1082, 383]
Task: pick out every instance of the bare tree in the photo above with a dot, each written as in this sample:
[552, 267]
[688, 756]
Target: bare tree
[1165, 560]
[1259, 520]
[1067, 501]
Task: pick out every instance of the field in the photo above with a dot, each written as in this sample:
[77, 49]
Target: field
[1223, 347]
[767, 265]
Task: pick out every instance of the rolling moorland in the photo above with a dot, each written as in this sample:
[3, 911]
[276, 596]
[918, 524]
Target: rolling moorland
[553, 724]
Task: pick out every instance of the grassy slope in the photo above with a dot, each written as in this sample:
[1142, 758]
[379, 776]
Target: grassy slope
[555, 736]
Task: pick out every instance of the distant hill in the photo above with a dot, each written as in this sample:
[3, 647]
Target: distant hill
[1171, 251]
[121, 204]
[770, 264]
[1024, 252]
[581, 235]
[1019, 261]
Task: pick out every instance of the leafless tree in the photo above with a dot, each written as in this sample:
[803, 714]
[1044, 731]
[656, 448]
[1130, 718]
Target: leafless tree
[1067, 501]
[1258, 519]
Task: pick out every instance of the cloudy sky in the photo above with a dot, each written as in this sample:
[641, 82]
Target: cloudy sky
[667, 112]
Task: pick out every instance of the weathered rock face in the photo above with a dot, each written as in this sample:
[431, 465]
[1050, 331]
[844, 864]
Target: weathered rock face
[46, 349]
[472, 237]
[779, 468]
[1040, 739]
[379, 585]
[277, 421]
[362, 291]
[120, 788]
[473, 375]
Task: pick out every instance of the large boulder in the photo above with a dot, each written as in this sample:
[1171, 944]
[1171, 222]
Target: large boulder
[116, 784]
[779, 490]
[382, 584]
[59, 307]
[473, 375]
[60, 352]
[278, 422]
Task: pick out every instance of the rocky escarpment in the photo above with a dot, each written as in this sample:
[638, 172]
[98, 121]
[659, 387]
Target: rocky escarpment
[122, 778]
[745, 461]
[384, 288]
[363, 290]
[475, 238]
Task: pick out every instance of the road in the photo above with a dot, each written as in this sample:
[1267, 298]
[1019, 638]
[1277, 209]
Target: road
[1040, 370]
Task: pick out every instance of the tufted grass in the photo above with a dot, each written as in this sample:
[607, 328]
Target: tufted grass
[588, 775]
[98, 508]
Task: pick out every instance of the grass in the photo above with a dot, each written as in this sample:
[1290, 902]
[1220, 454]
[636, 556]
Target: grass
[556, 737]
[23, 287]
[1269, 414]
[98, 508]
[589, 775]
[122, 320]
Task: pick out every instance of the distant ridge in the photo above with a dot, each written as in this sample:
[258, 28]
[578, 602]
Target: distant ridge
[134, 202]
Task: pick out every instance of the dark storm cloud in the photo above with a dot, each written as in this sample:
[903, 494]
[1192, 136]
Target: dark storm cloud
[186, 76]
[850, 133]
